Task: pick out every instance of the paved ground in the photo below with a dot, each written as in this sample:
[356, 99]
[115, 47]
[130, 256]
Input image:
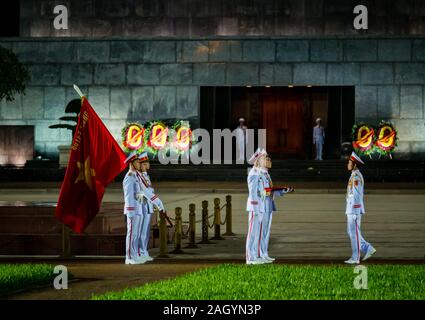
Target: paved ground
[313, 226]
[310, 227]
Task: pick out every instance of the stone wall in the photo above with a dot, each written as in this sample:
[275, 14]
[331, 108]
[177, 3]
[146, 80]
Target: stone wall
[159, 79]
[199, 18]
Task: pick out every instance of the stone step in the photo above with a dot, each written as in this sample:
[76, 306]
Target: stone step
[329, 170]
[31, 228]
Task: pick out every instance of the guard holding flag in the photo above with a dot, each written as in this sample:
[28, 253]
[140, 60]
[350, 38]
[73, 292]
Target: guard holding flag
[88, 173]
[354, 211]
[133, 210]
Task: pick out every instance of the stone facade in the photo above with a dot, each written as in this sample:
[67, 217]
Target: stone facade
[160, 79]
[146, 59]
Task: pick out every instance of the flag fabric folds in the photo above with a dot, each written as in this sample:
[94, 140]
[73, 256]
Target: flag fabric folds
[95, 160]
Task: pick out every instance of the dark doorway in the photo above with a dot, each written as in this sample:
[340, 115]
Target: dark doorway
[288, 114]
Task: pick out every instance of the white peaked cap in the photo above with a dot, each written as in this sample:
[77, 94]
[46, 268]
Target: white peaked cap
[257, 154]
[131, 156]
[143, 156]
[355, 158]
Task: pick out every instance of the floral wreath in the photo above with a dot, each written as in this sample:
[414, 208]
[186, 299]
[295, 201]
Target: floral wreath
[181, 136]
[363, 138]
[133, 137]
[367, 141]
[156, 135]
[386, 138]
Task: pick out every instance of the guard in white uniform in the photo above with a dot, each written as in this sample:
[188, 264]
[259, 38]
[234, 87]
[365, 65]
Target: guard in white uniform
[133, 210]
[241, 140]
[148, 200]
[255, 206]
[270, 207]
[319, 138]
[354, 211]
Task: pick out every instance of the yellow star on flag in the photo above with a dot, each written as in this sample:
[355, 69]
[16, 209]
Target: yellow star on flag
[85, 172]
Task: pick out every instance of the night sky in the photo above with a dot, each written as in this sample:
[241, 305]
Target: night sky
[9, 18]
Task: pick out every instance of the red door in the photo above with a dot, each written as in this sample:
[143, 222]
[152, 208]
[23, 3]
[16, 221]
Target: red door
[283, 118]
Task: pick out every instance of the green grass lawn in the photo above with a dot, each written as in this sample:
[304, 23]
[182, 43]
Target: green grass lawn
[271, 282]
[20, 276]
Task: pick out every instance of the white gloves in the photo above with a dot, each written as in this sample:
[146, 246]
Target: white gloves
[139, 197]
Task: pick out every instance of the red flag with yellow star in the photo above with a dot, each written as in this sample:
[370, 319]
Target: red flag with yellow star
[95, 160]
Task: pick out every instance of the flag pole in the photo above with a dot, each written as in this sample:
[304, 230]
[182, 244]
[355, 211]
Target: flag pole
[78, 91]
[66, 232]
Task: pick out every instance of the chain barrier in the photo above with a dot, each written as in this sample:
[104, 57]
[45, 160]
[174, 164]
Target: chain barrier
[224, 222]
[190, 233]
[210, 225]
[185, 234]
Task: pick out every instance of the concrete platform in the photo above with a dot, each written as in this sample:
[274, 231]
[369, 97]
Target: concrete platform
[308, 226]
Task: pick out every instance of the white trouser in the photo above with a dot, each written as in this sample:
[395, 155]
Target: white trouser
[132, 239]
[358, 244]
[145, 229]
[253, 236]
[265, 234]
[319, 150]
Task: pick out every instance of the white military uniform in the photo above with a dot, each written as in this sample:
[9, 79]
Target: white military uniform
[269, 207]
[256, 208]
[354, 211]
[319, 140]
[134, 213]
[148, 200]
[241, 142]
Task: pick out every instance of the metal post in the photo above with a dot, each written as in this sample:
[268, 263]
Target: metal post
[217, 220]
[205, 223]
[178, 232]
[66, 242]
[163, 235]
[229, 216]
[155, 212]
[156, 228]
[192, 227]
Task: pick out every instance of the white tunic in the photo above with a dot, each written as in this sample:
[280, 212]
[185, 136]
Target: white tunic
[318, 135]
[256, 195]
[131, 188]
[241, 134]
[147, 192]
[355, 189]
